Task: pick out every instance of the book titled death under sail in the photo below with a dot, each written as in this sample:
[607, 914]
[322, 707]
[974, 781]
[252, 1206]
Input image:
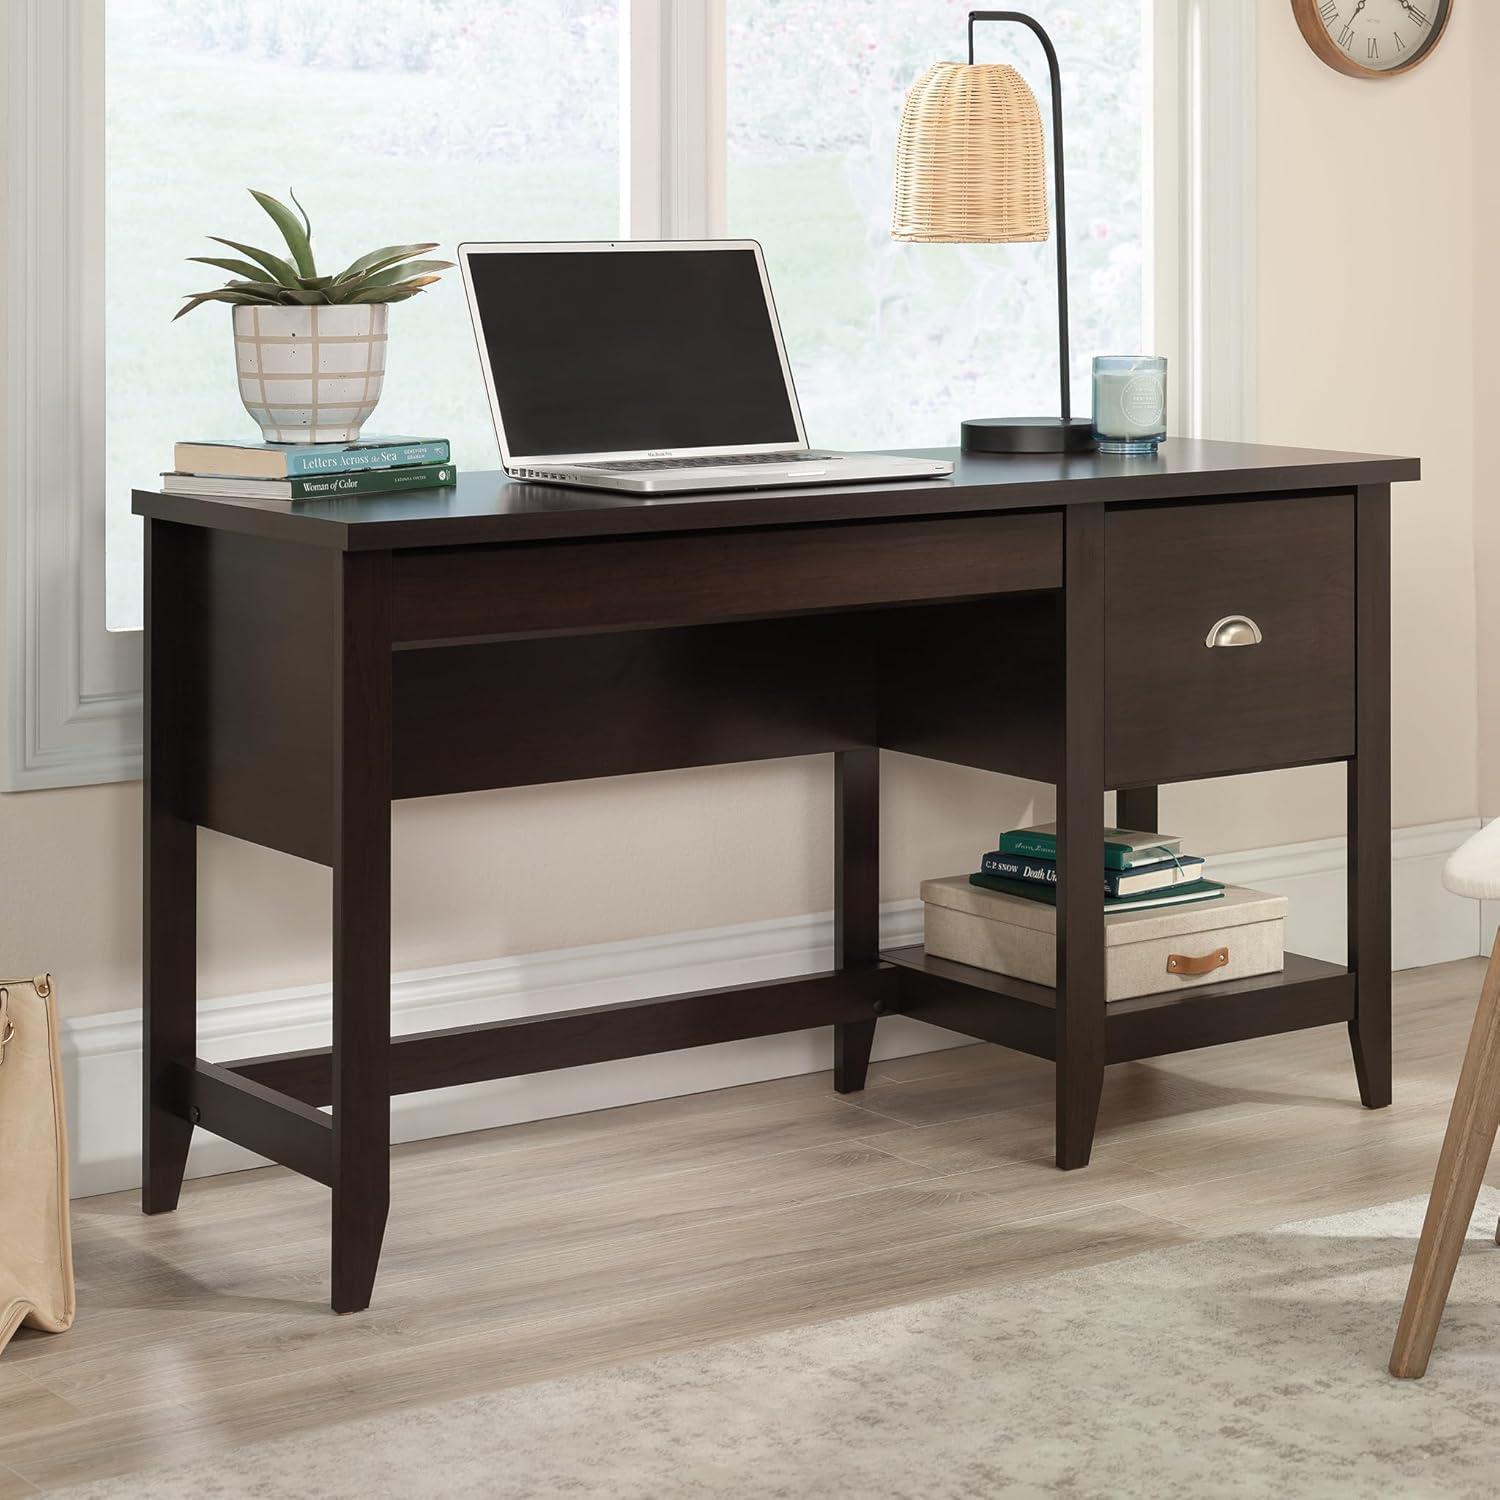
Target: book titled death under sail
[232, 460]
[313, 486]
[1180, 869]
[1033, 890]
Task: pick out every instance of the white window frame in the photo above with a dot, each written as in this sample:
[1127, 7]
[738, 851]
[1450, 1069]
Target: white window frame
[1203, 237]
[73, 700]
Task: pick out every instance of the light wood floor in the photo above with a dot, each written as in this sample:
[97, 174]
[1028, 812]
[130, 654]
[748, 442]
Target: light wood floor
[518, 1254]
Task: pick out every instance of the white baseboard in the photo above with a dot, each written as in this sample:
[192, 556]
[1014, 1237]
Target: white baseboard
[1429, 924]
[102, 1054]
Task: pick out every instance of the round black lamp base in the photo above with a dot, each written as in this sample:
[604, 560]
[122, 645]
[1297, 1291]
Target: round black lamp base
[1028, 435]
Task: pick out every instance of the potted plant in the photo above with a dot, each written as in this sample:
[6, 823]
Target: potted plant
[310, 349]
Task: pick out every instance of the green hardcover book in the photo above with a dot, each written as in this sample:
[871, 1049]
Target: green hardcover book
[314, 486]
[1123, 847]
[1033, 890]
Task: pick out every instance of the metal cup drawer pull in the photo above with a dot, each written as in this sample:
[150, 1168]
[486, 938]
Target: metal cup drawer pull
[1233, 630]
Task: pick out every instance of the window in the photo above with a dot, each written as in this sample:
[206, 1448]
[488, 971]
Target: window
[136, 125]
[813, 104]
[395, 121]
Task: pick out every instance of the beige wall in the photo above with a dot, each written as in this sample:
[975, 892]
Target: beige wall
[1367, 341]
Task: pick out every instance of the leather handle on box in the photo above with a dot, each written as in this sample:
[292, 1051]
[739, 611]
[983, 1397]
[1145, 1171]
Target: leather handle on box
[1186, 963]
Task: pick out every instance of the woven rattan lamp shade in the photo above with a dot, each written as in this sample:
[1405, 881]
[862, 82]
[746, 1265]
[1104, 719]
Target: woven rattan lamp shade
[970, 158]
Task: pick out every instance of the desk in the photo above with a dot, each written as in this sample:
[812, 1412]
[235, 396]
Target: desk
[1043, 616]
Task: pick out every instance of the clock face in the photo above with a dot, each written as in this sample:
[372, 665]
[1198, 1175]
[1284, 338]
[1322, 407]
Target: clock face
[1372, 37]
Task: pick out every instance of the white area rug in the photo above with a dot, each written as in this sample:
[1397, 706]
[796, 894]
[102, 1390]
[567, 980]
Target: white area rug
[1247, 1366]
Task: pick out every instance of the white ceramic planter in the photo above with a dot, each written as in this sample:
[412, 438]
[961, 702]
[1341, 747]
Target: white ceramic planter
[311, 374]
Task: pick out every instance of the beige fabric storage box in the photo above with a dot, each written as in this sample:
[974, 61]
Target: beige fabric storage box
[1145, 952]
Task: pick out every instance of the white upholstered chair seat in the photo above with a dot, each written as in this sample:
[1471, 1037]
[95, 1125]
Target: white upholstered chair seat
[1473, 869]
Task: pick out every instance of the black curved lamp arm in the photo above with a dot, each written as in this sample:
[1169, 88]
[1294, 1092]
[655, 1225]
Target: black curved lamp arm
[1057, 170]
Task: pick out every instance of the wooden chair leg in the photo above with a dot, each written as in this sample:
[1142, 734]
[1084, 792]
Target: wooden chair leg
[1460, 1171]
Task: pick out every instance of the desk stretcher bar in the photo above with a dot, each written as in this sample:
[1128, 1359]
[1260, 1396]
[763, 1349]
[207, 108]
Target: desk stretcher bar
[574, 1038]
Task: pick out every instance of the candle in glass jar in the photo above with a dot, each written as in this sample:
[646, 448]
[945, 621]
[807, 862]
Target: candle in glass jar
[1130, 402]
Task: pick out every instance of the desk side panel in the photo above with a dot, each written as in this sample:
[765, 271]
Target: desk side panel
[260, 698]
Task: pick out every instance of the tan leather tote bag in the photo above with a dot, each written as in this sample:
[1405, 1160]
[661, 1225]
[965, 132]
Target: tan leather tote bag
[36, 1243]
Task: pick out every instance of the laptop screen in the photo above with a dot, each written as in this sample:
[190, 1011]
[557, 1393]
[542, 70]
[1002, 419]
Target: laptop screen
[614, 350]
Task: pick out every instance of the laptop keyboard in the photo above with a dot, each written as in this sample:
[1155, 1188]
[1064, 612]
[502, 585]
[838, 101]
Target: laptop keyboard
[631, 465]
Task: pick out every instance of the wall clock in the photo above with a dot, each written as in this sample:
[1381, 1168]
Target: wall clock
[1372, 38]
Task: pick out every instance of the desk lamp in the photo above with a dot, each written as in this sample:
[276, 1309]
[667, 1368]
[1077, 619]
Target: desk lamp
[971, 168]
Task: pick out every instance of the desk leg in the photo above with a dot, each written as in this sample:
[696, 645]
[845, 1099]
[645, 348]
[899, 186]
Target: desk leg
[856, 898]
[362, 932]
[1369, 784]
[1138, 808]
[169, 880]
[1080, 820]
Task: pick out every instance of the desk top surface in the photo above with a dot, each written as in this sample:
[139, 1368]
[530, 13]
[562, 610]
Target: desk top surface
[488, 507]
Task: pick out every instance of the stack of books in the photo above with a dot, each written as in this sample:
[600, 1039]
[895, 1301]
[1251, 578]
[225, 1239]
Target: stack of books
[280, 473]
[1141, 870]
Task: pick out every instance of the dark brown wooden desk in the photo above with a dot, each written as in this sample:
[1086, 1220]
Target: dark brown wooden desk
[1043, 616]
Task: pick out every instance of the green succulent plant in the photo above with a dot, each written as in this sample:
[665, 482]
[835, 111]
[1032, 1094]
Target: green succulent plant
[390, 274]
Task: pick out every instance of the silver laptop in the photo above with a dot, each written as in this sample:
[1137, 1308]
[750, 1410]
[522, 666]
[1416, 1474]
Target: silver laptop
[652, 366]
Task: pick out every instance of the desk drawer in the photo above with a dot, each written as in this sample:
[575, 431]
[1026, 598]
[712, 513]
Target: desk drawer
[475, 593]
[1177, 708]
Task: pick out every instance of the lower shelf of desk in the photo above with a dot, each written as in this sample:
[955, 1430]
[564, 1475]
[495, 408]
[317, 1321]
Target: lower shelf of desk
[1013, 1013]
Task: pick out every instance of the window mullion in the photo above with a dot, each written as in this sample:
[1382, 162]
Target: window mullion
[641, 118]
[673, 152]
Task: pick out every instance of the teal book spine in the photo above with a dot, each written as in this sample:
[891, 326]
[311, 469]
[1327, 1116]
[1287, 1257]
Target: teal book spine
[1044, 846]
[376, 482]
[1029, 845]
[316, 459]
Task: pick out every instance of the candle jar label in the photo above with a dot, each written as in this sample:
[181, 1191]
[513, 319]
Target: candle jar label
[1144, 399]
